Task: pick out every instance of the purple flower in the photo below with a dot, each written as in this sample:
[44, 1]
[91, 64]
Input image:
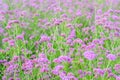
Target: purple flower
[8, 27]
[44, 38]
[71, 76]
[111, 57]
[78, 13]
[114, 17]
[13, 21]
[69, 41]
[5, 39]
[44, 69]
[1, 30]
[21, 36]
[78, 41]
[18, 79]
[99, 71]
[11, 69]
[117, 77]
[68, 76]
[15, 58]
[3, 61]
[56, 60]
[117, 68]
[62, 59]
[90, 55]
[72, 34]
[57, 69]
[69, 25]
[11, 78]
[31, 37]
[4, 78]
[62, 75]
[81, 73]
[11, 42]
[27, 66]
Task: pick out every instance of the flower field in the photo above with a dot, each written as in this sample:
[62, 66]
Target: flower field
[59, 39]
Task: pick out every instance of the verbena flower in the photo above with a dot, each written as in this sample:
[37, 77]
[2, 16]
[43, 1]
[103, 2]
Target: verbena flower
[99, 72]
[44, 38]
[3, 61]
[11, 42]
[111, 57]
[117, 68]
[57, 69]
[81, 73]
[90, 55]
[63, 59]
[27, 66]
[5, 39]
[1, 30]
[21, 37]
[12, 69]
[68, 76]
[8, 26]
[117, 77]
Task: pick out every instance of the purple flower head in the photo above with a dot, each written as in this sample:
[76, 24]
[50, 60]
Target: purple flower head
[44, 38]
[78, 13]
[13, 21]
[63, 59]
[8, 26]
[44, 69]
[78, 41]
[69, 25]
[81, 73]
[90, 55]
[42, 60]
[1, 30]
[5, 39]
[11, 69]
[15, 58]
[21, 37]
[90, 46]
[117, 68]
[69, 41]
[71, 76]
[57, 69]
[27, 66]
[55, 72]
[4, 78]
[72, 34]
[117, 77]
[57, 22]
[62, 75]
[31, 37]
[18, 79]
[99, 71]
[42, 55]
[114, 17]
[63, 34]
[117, 34]
[3, 61]
[111, 57]
[11, 78]
[49, 45]
[64, 16]
[11, 42]
[56, 60]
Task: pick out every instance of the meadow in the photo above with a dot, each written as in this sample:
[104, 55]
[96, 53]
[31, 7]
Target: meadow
[59, 39]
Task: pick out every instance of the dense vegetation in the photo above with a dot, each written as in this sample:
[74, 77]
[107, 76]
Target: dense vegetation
[59, 39]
